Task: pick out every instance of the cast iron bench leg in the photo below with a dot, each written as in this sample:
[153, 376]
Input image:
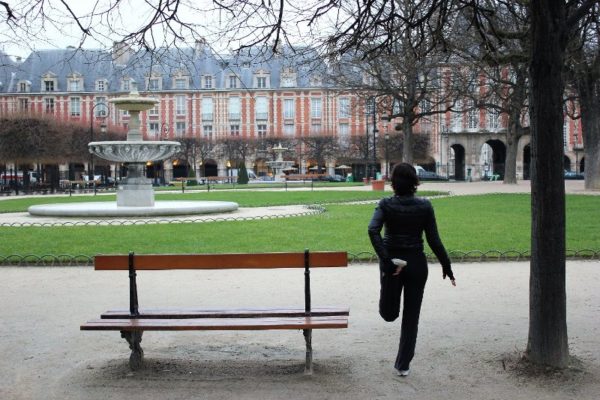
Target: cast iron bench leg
[308, 338]
[134, 338]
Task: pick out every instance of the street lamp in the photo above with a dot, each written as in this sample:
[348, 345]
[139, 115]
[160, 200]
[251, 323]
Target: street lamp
[375, 131]
[102, 129]
[228, 170]
[160, 166]
[385, 118]
[576, 149]
[444, 134]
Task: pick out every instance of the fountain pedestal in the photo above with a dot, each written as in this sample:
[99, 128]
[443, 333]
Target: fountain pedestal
[136, 190]
[279, 164]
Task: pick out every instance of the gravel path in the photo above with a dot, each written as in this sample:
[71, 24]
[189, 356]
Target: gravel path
[469, 339]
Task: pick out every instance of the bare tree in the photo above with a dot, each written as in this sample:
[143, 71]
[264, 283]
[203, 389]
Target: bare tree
[551, 25]
[400, 77]
[584, 77]
[320, 148]
[501, 58]
[205, 149]
[236, 149]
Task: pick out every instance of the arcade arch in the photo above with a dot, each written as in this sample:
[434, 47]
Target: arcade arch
[457, 162]
[497, 158]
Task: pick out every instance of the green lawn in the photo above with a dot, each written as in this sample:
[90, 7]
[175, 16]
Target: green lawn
[488, 222]
[265, 185]
[256, 198]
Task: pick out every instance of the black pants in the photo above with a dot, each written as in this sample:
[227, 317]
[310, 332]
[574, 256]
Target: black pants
[412, 281]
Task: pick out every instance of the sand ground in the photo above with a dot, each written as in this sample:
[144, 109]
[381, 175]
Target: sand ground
[469, 339]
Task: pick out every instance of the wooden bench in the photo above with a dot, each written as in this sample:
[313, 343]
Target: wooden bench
[304, 177]
[133, 322]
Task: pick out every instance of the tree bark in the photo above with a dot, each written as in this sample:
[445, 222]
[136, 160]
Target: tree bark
[590, 125]
[510, 163]
[547, 342]
[515, 129]
[407, 149]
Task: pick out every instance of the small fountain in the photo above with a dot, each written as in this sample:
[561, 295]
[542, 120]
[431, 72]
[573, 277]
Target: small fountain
[279, 165]
[135, 195]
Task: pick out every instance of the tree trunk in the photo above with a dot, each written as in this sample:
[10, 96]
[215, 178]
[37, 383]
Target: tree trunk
[408, 145]
[547, 342]
[510, 163]
[590, 125]
[515, 130]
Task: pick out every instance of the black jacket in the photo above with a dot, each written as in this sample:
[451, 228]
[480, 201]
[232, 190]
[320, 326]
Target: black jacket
[405, 218]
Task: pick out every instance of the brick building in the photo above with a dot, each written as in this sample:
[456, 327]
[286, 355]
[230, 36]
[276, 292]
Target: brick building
[250, 95]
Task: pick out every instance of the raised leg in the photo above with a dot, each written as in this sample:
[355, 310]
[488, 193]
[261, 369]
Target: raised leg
[134, 338]
[308, 339]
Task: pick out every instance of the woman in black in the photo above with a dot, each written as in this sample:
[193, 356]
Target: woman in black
[405, 218]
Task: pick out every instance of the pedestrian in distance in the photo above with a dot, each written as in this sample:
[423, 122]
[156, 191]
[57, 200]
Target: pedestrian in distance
[402, 262]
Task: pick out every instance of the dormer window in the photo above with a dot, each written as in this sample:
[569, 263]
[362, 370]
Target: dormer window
[126, 84]
[101, 85]
[262, 79]
[49, 82]
[75, 82]
[48, 86]
[261, 82]
[24, 86]
[233, 82]
[208, 82]
[180, 79]
[153, 84]
[181, 83]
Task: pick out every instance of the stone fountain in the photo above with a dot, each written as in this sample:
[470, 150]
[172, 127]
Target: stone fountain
[136, 190]
[279, 165]
[135, 195]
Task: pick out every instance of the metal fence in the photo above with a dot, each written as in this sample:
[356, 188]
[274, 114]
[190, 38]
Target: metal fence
[46, 260]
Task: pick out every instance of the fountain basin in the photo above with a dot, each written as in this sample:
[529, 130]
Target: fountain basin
[110, 209]
[139, 151]
[134, 103]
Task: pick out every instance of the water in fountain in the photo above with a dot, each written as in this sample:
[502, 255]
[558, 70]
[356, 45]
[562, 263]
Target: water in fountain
[135, 195]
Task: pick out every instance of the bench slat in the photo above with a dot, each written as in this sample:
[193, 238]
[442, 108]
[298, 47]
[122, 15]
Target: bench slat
[166, 313]
[221, 261]
[208, 324]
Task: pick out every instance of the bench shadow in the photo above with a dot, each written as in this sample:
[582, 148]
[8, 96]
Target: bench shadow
[169, 369]
[231, 363]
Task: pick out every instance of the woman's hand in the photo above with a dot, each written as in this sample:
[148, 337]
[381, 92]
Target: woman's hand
[447, 272]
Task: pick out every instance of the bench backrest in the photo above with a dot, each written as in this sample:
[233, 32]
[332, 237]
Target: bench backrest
[134, 262]
[222, 261]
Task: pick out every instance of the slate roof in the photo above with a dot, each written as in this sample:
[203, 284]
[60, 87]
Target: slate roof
[98, 64]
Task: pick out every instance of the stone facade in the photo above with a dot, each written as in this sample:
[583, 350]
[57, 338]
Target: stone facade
[203, 94]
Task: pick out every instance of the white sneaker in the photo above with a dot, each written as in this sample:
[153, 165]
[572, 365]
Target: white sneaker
[402, 372]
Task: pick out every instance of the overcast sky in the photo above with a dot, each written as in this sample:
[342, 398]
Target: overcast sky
[57, 29]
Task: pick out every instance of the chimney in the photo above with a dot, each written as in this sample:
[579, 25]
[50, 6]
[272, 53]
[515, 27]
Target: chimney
[121, 53]
[199, 47]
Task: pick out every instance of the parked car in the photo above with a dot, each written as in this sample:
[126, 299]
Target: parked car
[333, 178]
[430, 176]
[573, 175]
